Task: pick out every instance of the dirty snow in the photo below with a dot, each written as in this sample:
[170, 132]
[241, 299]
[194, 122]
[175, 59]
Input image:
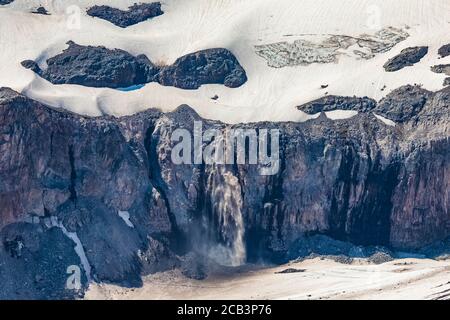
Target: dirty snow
[322, 279]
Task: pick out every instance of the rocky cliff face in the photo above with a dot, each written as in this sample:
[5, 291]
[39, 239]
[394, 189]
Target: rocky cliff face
[104, 194]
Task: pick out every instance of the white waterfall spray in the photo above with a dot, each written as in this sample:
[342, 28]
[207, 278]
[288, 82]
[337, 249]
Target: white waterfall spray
[227, 203]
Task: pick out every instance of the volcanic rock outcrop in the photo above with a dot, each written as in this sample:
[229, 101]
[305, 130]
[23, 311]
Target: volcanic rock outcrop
[41, 10]
[331, 103]
[403, 104]
[441, 68]
[103, 194]
[408, 57]
[444, 51]
[96, 67]
[218, 66]
[124, 18]
[400, 105]
[102, 67]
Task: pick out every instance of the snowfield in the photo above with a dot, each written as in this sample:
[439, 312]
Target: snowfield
[242, 26]
[317, 279]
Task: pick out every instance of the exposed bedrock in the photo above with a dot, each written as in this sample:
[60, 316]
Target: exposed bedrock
[444, 51]
[400, 105]
[34, 261]
[408, 57]
[403, 104]
[3, 2]
[441, 68]
[217, 66]
[446, 82]
[110, 184]
[96, 67]
[124, 18]
[331, 103]
[84, 172]
[102, 67]
[41, 10]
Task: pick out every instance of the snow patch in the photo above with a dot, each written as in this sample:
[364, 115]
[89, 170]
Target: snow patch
[78, 249]
[125, 215]
[341, 114]
[386, 121]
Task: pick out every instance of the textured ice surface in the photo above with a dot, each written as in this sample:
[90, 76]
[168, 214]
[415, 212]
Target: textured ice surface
[328, 48]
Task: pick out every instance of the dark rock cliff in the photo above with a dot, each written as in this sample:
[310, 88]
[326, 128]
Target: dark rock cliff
[111, 185]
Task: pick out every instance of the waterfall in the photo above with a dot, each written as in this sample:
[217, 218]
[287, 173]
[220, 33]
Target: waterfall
[226, 201]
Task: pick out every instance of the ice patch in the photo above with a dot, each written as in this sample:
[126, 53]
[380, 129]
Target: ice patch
[132, 88]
